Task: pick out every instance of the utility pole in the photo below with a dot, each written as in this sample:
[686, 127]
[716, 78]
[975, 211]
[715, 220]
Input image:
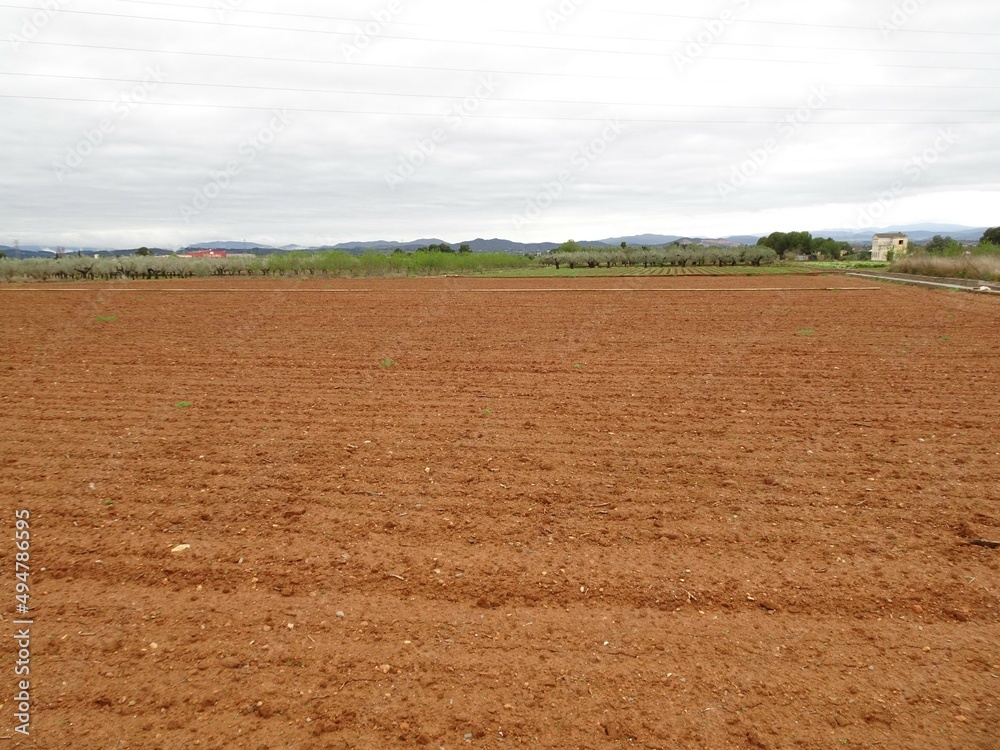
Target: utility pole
[17, 249]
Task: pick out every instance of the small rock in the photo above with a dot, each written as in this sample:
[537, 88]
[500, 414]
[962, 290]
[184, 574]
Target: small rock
[384, 669]
[960, 614]
[181, 548]
[341, 614]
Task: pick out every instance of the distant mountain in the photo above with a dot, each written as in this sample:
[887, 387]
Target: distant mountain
[917, 232]
[388, 245]
[44, 251]
[497, 245]
[230, 245]
[661, 240]
[478, 245]
[638, 239]
[941, 228]
[745, 239]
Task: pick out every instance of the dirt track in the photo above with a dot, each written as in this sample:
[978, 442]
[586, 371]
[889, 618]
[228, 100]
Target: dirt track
[716, 519]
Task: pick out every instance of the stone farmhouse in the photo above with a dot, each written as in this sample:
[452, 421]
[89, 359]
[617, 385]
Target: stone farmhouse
[882, 244]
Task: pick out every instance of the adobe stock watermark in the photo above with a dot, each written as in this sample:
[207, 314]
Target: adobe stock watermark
[900, 16]
[914, 170]
[563, 12]
[424, 148]
[579, 162]
[364, 35]
[99, 134]
[224, 7]
[32, 25]
[699, 44]
[787, 128]
[220, 180]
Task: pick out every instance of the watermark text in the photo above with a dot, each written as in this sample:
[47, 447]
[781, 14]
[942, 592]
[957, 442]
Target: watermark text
[23, 623]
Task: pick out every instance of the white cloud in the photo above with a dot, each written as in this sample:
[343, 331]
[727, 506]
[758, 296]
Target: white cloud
[747, 66]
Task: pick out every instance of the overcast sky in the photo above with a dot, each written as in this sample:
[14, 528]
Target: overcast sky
[131, 122]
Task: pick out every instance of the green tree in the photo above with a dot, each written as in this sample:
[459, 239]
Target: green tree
[991, 236]
[943, 246]
[569, 246]
[784, 243]
[464, 248]
[830, 248]
[143, 251]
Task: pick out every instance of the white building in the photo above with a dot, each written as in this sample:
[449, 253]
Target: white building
[896, 243]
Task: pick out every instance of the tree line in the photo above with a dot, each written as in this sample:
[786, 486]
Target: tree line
[574, 255]
[324, 264]
[803, 243]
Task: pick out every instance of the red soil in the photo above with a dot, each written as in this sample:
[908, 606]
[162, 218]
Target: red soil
[716, 519]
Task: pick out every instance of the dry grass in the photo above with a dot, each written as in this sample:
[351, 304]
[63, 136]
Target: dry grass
[981, 267]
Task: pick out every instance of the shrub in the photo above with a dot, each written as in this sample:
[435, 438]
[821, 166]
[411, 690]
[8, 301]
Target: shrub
[984, 266]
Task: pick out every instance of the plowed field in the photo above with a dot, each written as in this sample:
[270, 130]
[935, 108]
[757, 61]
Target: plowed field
[564, 513]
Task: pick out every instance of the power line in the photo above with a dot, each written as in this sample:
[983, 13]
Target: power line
[596, 10]
[869, 65]
[477, 115]
[809, 25]
[606, 37]
[314, 61]
[506, 45]
[493, 98]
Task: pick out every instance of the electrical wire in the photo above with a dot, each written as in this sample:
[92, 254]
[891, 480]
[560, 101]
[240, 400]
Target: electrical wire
[477, 115]
[491, 98]
[504, 45]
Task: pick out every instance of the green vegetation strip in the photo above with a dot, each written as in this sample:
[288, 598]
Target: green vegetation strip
[525, 290]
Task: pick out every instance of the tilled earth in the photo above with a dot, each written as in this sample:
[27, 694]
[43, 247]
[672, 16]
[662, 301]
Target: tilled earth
[648, 512]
